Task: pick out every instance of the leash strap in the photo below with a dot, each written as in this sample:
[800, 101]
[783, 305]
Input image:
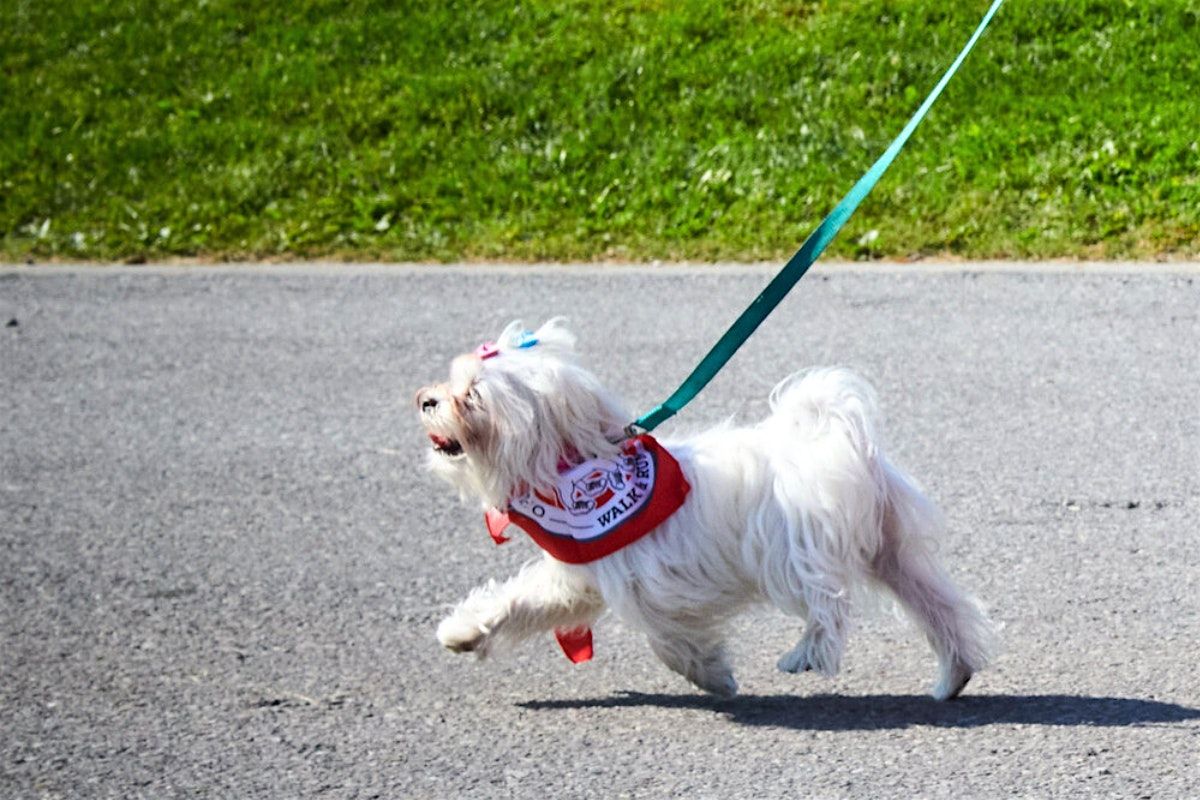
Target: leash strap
[810, 251]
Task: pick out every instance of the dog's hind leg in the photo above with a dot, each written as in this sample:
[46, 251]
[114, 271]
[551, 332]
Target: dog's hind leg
[959, 633]
[811, 587]
[827, 624]
[544, 595]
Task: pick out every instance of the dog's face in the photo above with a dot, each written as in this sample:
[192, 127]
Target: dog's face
[450, 411]
[510, 412]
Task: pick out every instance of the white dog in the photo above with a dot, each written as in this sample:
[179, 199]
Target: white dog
[802, 510]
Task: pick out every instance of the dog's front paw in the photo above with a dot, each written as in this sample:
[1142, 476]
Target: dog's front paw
[460, 634]
[720, 684]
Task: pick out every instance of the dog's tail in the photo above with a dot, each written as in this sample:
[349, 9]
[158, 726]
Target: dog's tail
[865, 514]
[814, 402]
[824, 432]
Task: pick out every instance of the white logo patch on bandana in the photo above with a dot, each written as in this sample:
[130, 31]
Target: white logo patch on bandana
[590, 499]
[597, 507]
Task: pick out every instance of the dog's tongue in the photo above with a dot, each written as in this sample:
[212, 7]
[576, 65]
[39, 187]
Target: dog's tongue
[439, 441]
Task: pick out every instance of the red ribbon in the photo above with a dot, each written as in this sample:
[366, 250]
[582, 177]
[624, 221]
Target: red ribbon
[576, 643]
[496, 521]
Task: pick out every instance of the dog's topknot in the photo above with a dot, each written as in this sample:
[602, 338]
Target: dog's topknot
[552, 338]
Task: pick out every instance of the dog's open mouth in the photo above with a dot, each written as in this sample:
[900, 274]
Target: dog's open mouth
[445, 445]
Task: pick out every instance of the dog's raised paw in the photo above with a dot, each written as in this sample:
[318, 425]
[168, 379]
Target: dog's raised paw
[459, 635]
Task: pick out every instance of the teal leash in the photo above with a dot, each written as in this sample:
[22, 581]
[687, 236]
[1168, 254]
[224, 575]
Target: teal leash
[810, 251]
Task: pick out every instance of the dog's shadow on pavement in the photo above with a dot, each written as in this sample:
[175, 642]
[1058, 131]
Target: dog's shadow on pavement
[828, 712]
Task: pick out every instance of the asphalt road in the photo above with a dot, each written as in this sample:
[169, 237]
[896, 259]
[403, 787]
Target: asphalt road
[221, 561]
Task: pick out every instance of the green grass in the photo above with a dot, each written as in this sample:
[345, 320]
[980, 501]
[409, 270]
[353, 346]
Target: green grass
[582, 130]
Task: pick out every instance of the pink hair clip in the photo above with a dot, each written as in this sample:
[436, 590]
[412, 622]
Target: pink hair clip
[491, 349]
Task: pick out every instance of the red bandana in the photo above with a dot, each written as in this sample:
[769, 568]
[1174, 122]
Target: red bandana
[594, 510]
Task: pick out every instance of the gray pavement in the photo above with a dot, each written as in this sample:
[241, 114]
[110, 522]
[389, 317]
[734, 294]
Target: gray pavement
[221, 562]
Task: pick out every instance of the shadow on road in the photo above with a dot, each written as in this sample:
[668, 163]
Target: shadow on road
[880, 712]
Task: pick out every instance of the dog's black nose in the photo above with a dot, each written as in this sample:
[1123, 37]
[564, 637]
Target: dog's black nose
[429, 404]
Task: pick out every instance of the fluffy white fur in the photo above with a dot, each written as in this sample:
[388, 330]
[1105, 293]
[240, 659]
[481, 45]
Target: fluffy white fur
[802, 510]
